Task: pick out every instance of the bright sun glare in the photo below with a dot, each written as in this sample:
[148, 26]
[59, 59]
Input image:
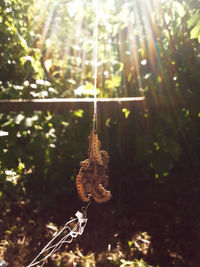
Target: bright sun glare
[65, 33]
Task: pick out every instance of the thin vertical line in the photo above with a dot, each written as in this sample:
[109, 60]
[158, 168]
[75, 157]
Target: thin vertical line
[95, 65]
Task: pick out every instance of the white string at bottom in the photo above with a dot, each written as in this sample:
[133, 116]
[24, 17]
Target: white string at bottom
[81, 217]
[62, 238]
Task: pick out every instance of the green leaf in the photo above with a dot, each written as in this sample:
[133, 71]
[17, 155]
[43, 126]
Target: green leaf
[195, 23]
[179, 8]
[156, 145]
[195, 32]
[113, 82]
[86, 90]
[79, 113]
[126, 112]
[130, 243]
[193, 20]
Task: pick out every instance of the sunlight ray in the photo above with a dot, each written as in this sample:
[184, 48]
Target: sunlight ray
[47, 25]
[134, 46]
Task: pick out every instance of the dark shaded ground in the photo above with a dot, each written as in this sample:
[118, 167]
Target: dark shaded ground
[169, 214]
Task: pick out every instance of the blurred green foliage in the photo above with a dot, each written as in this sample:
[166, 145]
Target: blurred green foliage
[146, 48]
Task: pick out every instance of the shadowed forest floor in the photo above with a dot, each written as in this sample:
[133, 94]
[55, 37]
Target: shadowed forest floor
[155, 225]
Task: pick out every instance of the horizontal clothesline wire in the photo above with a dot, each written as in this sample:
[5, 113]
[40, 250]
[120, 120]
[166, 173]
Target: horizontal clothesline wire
[56, 100]
[62, 104]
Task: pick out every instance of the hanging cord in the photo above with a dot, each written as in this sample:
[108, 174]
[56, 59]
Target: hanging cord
[81, 217]
[95, 65]
[62, 237]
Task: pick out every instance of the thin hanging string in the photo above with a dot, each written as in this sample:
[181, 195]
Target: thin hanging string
[80, 222]
[95, 64]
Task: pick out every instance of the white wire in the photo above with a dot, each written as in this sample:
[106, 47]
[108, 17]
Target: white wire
[95, 63]
[82, 220]
[51, 248]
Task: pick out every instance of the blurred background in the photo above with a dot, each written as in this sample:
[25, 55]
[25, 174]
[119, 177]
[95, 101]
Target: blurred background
[147, 48]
